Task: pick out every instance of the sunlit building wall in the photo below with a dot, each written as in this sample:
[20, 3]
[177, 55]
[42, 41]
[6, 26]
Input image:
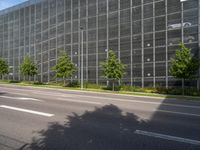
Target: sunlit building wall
[143, 33]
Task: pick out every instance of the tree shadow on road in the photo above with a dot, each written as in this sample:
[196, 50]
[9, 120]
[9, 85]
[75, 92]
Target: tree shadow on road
[2, 93]
[108, 128]
[105, 128]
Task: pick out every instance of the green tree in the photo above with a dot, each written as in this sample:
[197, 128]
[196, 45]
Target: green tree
[28, 67]
[184, 65]
[113, 69]
[4, 68]
[64, 68]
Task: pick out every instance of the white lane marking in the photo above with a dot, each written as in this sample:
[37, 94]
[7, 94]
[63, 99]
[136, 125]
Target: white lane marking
[79, 101]
[14, 93]
[179, 113]
[21, 98]
[18, 93]
[113, 99]
[27, 111]
[125, 100]
[120, 100]
[167, 137]
[132, 101]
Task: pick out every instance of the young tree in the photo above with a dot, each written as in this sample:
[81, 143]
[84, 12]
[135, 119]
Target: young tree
[4, 68]
[64, 68]
[113, 69]
[184, 65]
[28, 67]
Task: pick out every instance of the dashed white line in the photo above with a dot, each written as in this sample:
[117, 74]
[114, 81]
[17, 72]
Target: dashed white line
[27, 111]
[167, 137]
[21, 98]
[115, 99]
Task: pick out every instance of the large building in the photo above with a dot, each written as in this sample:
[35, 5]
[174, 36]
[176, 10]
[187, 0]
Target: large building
[144, 34]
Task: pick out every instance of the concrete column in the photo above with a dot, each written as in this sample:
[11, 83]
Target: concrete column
[142, 52]
[79, 41]
[198, 81]
[86, 51]
[97, 45]
[72, 36]
[166, 42]
[154, 49]
[131, 51]
[19, 76]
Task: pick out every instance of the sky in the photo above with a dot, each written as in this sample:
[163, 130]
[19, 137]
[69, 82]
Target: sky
[9, 3]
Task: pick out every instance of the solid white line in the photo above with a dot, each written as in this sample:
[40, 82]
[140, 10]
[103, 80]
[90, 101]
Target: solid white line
[27, 111]
[112, 99]
[132, 101]
[167, 137]
[78, 101]
[121, 100]
[21, 98]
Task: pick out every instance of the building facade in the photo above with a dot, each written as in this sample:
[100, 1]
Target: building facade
[144, 34]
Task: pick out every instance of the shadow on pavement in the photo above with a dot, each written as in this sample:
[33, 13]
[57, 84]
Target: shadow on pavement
[8, 143]
[2, 93]
[105, 128]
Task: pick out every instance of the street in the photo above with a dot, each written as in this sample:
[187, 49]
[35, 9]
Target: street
[51, 119]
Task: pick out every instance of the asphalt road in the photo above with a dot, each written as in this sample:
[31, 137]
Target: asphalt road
[49, 119]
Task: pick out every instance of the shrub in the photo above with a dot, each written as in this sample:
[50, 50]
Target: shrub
[38, 83]
[93, 86]
[110, 88]
[13, 81]
[150, 90]
[73, 84]
[132, 88]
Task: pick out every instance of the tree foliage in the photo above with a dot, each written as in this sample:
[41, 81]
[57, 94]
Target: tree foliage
[28, 67]
[64, 68]
[113, 69]
[184, 65]
[4, 68]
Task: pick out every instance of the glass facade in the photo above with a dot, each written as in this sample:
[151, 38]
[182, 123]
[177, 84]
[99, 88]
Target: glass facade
[144, 34]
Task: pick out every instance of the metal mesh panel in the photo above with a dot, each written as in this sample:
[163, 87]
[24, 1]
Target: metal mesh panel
[148, 11]
[49, 26]
[124, 4]
[160, 8]
[113, 45]
[160, 69]
[160, 54]
[113, 5]
[148, 55]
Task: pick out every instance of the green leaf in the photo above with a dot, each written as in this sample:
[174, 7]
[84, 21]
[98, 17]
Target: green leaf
[4, 68]
[64, 68]
[184, 65]
[28, 67]
[112, 68]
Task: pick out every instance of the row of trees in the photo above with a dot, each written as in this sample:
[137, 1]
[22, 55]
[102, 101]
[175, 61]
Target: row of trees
[27, 68]
[64, 68]
[113, 69]
[183, 66]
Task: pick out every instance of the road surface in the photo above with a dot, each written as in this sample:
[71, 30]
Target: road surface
[50, 119]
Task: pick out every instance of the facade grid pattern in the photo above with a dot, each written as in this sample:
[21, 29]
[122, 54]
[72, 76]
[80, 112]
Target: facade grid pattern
[143, 33]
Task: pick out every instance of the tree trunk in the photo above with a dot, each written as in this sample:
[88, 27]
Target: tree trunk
[113, 85]
[183, 87]
[64, 81]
